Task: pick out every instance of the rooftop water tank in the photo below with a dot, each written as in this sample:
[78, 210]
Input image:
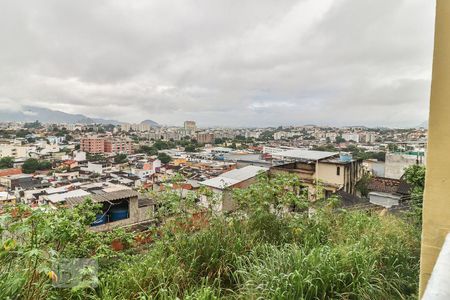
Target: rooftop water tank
[117, 214]
[345, 157]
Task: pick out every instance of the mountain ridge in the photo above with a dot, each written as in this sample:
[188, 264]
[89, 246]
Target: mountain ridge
[44, 115]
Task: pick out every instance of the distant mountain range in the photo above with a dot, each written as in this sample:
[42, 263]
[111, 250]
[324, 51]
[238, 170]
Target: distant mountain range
[44, 115]
[151, 123]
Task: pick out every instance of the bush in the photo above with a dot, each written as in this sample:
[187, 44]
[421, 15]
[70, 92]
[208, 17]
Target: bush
[32, 165]
[164, 158]
[6, 162]
[249, 254]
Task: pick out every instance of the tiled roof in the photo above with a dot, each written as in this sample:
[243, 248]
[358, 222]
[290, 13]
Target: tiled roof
[384, 185]
[389, 185]
[8, 172]
[348, 200]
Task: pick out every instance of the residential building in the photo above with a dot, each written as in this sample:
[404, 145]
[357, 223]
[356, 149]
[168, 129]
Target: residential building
[15, 150]
[105, 145]
[331, 170]
[120, 205]
[374, 167]
[125, 127]
[396, 163]
[118, 146]
[56, 139]
[388, 192]
[145, 168]
[13, 181]
[190, 126]
[97, 167]
[205, 137]
[92, 145]
[7, 199]
[351, 137]
[222, 185]
[79, 155]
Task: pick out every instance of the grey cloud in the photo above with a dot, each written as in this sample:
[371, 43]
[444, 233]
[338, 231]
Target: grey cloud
[258, 62]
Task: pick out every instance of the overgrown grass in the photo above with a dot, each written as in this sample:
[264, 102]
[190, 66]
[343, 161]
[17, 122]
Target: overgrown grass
[351, 255]
[263, 255]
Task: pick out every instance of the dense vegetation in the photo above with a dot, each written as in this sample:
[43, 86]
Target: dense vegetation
[415, 177]
[6, 162]
[32, 165]
[120, 158]
[164, 158]
[262, 251]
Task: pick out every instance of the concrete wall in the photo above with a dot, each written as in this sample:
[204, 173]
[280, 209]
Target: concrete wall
[436, 209]
[396, 163]
[15, 150]
[225, 197]
[383, 199]
[328, 173]
[134, 217]
[145, 213]
[378, 169]
[95, 168]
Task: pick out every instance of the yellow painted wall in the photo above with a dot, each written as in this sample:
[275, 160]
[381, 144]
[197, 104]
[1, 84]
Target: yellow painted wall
[328, 173]
[436, 213]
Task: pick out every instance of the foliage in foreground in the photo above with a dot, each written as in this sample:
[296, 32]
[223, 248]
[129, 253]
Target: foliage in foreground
[261, 253]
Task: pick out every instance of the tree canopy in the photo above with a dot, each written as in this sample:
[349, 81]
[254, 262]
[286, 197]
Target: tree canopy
[164, 158]
[32, 165]
[259, 251]
[120, 158]
[6, 162]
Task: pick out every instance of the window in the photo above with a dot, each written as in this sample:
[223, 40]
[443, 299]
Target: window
[338, 171]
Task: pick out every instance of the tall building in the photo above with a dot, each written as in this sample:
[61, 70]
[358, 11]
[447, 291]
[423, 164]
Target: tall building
[205, 138]
[125, 127]
[118, 146]
[92, 145]
[351, 137]
[190, 126]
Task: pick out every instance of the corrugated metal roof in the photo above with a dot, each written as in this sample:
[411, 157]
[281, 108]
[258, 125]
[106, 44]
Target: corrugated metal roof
[105, 197]
[305, 154]
[55, 198]
[233, 177]
[244, 173]
[219, 182]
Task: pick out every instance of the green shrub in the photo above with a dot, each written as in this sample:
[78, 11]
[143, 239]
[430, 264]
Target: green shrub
[260, 253]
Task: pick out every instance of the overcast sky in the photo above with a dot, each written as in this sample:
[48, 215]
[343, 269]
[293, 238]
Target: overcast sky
[221, 62]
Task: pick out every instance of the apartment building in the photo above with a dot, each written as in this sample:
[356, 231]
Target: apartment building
[92, 145]
[15, 150]
[396, 163]
[118, 146]
[351, 137]
[205, 138]
[105, 145]
[190, 126]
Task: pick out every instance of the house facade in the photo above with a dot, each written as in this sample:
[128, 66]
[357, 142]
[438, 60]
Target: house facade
[329, 170]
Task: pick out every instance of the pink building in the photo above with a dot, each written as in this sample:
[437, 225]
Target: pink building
[105, 145]
[118, 146]
[92, 145]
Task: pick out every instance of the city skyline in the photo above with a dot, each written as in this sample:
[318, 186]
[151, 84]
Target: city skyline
[299, 62]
